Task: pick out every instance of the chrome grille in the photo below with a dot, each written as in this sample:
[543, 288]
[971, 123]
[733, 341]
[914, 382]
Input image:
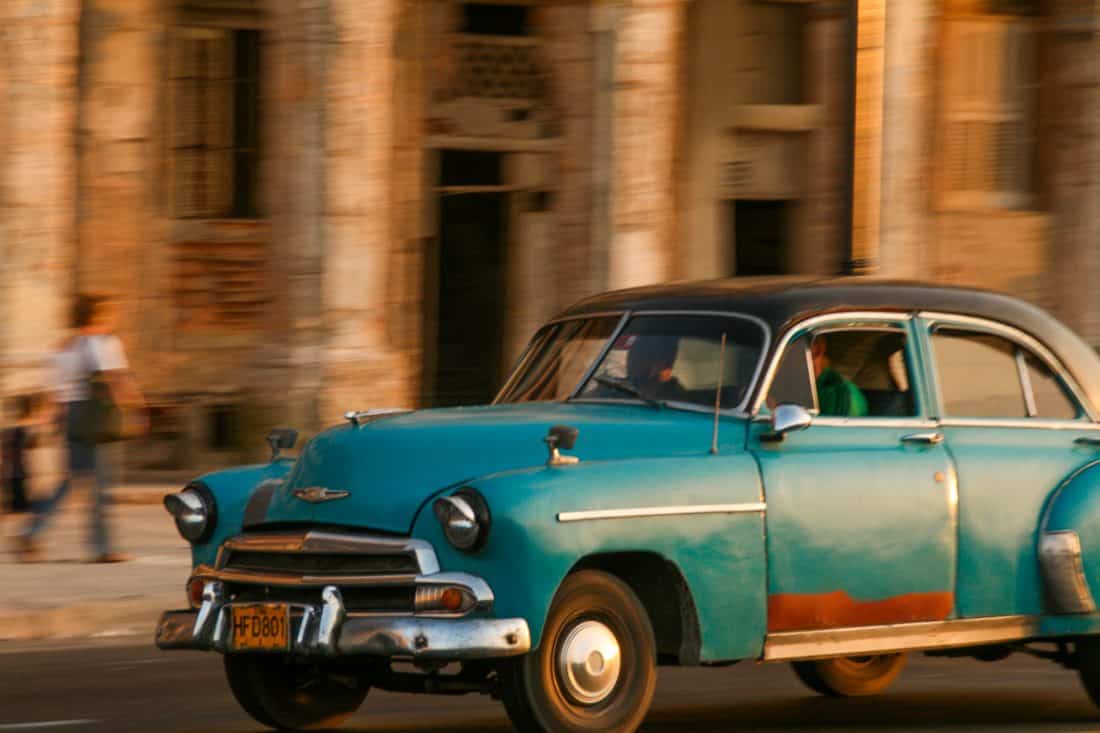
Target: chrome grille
[321, 564]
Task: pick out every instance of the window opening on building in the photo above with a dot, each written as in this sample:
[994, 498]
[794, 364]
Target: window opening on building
[215, 145]
[464, 349]
[761, 236]
[222, 427]
[492, 19]
[990, 72]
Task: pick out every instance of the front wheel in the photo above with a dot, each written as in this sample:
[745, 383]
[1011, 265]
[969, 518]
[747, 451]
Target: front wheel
[850, 676]
[288, 695]
[595, 669]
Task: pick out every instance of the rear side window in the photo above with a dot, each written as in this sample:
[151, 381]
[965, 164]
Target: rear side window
[1052, 401]
[986, 376]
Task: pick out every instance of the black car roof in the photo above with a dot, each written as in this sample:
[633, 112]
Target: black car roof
[781, 302]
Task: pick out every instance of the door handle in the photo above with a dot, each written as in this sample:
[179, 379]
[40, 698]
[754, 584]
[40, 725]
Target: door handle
[930, 438]
[1089, 441]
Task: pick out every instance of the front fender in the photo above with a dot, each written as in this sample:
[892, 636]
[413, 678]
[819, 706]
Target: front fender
[530, 551]
[231, 489]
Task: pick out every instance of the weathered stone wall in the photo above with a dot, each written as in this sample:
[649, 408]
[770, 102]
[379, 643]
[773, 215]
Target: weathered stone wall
[38, 73]
[1070, 147]
[647, 108]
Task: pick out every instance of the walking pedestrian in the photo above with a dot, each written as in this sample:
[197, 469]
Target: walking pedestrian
[93, 379]
[15, 441]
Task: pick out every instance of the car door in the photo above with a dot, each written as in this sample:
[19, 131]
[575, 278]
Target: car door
[860, 509]
[1015, 427]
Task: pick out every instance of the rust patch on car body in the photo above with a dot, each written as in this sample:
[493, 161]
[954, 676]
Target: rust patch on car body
[805, 611]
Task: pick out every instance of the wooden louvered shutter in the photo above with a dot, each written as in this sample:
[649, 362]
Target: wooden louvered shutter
[202, 88]
[990, 95]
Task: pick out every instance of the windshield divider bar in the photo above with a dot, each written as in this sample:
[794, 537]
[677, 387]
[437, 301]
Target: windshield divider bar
[602, 355]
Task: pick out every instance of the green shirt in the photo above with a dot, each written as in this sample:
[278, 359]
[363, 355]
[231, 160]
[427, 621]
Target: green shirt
[838, 397]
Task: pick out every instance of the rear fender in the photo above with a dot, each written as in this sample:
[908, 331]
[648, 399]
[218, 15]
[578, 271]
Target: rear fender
[1069, 543]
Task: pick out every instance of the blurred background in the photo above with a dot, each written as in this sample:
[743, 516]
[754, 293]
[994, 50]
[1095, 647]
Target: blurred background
[304, 207]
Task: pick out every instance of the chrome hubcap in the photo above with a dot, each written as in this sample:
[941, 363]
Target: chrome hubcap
[589, 663]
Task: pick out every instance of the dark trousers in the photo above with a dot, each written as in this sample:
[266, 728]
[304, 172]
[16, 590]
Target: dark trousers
[15, 494]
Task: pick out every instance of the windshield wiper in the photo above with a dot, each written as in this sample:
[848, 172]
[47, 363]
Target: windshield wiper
[626, 387]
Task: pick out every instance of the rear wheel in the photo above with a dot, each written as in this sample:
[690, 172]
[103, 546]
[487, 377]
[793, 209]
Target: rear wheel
[850, 676]
[595, 669]
[288, 695]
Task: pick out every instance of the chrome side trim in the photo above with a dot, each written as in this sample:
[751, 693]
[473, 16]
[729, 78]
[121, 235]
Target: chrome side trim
[898, 637]
[662, 511]
[996, 422]
[1064, 574]
[875, 422]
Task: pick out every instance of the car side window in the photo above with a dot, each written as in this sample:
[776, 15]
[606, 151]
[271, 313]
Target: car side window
[987, 376]
[1052, 400]
[847, 373]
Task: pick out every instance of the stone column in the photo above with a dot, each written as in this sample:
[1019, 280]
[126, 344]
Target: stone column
[361, 368]
[39, 47]
[646, 116]
[1071, 152]
[908, 117]
[823, 245]
[567, 45]
[867, 159]
[296, 124]
[119, 183]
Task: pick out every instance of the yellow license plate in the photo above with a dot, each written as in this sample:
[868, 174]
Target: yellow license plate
[261, 627]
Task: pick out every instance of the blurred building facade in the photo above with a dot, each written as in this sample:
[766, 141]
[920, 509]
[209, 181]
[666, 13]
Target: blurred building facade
[311, 206]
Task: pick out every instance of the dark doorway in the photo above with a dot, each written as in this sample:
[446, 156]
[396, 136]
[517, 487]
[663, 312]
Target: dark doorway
[762, 237]
[465, 368]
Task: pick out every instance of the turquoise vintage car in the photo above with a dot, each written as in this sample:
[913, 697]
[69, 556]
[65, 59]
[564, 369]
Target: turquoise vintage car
[831, 474]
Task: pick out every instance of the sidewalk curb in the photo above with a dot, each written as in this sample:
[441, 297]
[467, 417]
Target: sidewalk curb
[100, 619]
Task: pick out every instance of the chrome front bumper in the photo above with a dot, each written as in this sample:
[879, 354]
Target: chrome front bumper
[327, 630]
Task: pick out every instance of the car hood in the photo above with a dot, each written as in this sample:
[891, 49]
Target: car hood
[389, 467]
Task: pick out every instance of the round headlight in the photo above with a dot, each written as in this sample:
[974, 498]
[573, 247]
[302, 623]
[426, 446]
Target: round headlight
[195, 512]
[465, 518]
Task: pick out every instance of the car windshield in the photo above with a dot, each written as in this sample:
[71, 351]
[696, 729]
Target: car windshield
[655, 359]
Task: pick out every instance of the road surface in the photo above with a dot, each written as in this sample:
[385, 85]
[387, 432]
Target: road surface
[128, 689]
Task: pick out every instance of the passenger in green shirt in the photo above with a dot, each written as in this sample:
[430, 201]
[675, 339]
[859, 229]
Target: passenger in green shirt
[837, 396]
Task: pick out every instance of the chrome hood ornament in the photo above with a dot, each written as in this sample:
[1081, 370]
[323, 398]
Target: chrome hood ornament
[318, 494]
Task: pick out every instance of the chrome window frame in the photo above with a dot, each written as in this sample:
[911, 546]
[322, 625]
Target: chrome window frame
[738, 410]
[928, 320]
[863, 320]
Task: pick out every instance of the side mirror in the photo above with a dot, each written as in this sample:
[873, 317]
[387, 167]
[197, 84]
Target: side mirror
[788, 418]
[281, 439]
[561, 437]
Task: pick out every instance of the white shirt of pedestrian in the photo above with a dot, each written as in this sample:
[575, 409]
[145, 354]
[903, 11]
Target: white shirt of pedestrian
[82, 357]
